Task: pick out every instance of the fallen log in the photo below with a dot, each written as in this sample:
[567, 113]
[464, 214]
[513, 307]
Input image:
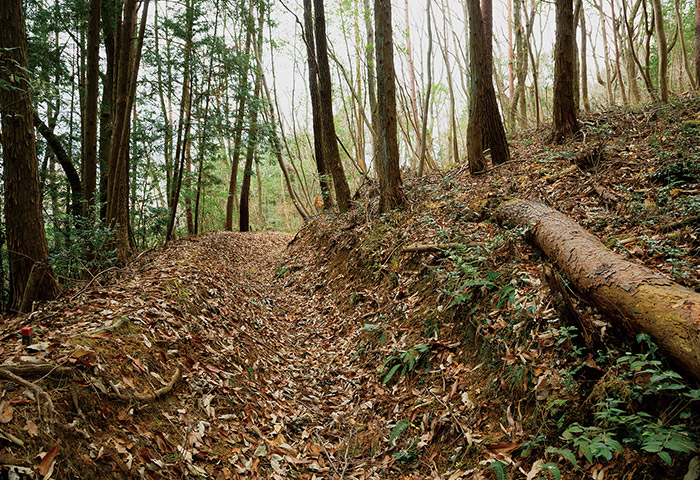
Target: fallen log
[647, 301]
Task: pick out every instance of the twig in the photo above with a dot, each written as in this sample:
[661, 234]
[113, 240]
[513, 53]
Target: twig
[40, 392]
[680, 223]
[44, 370]
[12, 438]
[431, 247]
[87, 285]
[149, 397]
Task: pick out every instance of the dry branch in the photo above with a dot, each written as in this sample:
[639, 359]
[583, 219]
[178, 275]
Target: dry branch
[40, 392]
[149, 397]
[646, 300]
[432, 247]
[43, 370]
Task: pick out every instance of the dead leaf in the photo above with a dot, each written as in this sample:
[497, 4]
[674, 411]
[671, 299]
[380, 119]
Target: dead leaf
[31, 428]
[6, 412]
[48, 459]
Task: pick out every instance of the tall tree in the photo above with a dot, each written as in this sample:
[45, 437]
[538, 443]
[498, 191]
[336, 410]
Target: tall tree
[30, 275]
[317, 122]
[387, 155]
[697, 42]
[331, 152]
[426, 104]
[89, 164]
[662, 47]
[127, 60]
[485, 124]
[564, 111]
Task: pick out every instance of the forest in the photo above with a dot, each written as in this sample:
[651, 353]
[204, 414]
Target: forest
[343, 239]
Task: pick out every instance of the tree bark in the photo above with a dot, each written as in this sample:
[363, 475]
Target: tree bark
[641, 298]
[387, 155]
[66, 163]
[426, 104]
[331, 153]
[244, 209]
[662, 50]
[324, 179]
[697, 42]
[106, 114]
[564, 111]
[26, 239]
[485, 126]
[89, 165]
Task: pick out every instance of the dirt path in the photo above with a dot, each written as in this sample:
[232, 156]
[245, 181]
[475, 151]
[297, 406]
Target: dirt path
[268, 388]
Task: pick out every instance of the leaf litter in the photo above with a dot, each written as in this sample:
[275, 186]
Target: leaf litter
[334, 354]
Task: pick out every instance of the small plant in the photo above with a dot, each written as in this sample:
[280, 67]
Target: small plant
[405, 362]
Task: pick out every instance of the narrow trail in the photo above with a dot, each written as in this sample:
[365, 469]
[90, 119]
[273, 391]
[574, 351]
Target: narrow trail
[254, 372]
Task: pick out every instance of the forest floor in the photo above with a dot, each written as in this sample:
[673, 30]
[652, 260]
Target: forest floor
[340, 353]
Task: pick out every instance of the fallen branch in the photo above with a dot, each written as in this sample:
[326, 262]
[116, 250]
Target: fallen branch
[11, 438]
[643, 299]
[149, 397]
[40, 392]
[43, 370]
[433, 247]
[557, 175]
[680, 223]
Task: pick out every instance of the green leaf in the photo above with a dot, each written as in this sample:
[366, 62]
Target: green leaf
[665, 456]
[398, 430]
[499, 469]
[552, 468]
[566, 453]
[391, 373]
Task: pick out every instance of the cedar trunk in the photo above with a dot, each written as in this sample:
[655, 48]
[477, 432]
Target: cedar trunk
[321, 164]
[387, 154]
[485, 126]
[564, 111]
[26, 238]
[89, 165]
[331, 153]
[643, 299]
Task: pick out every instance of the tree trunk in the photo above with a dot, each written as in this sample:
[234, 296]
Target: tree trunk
[26, 239]
[66, 163]
[618, 69]
[412, 83]
[485, 125]
[89, 165]
[662, 49]
[387, 155]
[697, 41]
[128, 56]
[606, 49]
[426, 104]
[324, 179]
[244, 209]
[331, 153]
[564, 112]
[584, 64]
[106, 114]
[643, 299]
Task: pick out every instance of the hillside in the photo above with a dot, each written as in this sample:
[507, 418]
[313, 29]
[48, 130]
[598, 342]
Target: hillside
[338, 353]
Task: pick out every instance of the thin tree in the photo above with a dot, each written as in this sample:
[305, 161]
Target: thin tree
[697, 41]
[662, 47]
[128, 57]
[30, 275]
[426, 104]
[485, 125]
[564, 111]
[325, 180]
[89, 164]
[331, 152]
[387, 155]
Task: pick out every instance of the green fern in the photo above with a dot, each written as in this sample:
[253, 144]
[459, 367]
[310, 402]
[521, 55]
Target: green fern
[500, 470]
